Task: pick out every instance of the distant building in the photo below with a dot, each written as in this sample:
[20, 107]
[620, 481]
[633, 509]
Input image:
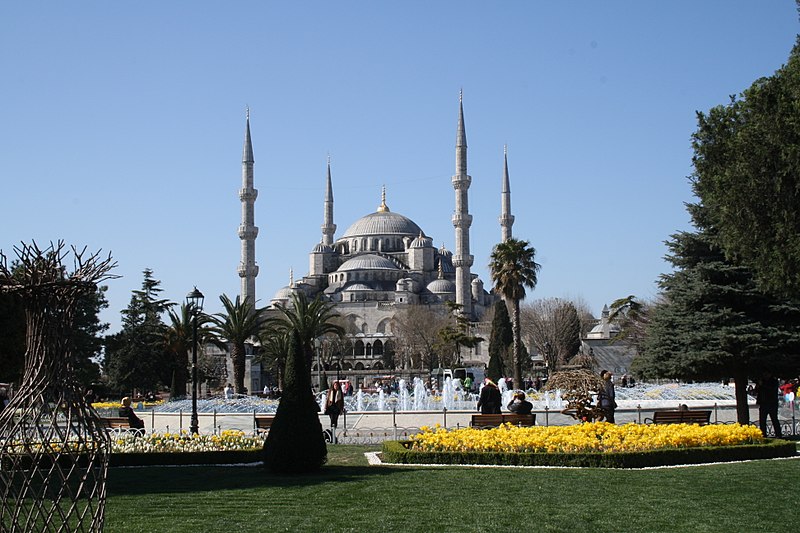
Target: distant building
[607, 353]
[383, 263]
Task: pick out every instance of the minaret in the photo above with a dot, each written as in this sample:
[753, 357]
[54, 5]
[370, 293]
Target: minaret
[248, 270]
[462, 220]
[506, 218]
[328, 227]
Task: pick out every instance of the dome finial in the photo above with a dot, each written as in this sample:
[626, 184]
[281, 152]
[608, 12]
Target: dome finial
[383, 207]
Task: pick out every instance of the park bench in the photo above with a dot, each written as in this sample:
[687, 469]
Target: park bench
[680, 417]
[493, 421]
[119, 425]
[262, 423]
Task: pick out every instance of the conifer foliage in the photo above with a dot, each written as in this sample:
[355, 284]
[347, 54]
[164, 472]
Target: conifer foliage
[500, 341]
[715, 322]
[295, 443]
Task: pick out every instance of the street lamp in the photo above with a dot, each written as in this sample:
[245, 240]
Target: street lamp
[194, 301]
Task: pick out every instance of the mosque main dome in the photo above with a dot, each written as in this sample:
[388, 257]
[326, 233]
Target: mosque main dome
[382, 223]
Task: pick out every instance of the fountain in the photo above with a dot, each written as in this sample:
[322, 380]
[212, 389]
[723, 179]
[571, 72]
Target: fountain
[420, 395]
[420, 399]
[403, 395]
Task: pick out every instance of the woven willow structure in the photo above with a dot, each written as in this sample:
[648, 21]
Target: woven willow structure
[577, 388]
[53, 449]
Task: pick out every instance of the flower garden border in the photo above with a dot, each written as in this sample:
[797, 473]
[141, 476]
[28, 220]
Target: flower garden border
[400, 452]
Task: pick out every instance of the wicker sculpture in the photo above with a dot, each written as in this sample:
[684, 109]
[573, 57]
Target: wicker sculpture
[577, 388]
[53, 449]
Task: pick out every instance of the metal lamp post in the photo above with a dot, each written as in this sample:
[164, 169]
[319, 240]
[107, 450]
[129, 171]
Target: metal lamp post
[194, 300]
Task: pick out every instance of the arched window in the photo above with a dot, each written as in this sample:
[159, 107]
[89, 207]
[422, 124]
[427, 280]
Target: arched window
[378, 365]
[358, 348]
[369, 349]
[377, 348]
[359, 366]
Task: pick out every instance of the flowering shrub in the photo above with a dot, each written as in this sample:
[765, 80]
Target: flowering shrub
[116, 405]
[583, 438]
[228, 440]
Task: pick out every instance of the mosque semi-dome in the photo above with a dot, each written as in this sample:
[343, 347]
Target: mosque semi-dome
[442, 286]
[368, 262]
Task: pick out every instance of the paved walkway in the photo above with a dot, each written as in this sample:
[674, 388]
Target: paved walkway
[410, 421]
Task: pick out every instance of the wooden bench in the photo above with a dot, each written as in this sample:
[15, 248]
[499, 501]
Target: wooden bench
[680, 417]
[493, 421]
[262, 423]
[119, 425]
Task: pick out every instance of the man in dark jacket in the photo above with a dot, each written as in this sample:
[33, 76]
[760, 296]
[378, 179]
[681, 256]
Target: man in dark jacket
[767, 400]
[490, 400]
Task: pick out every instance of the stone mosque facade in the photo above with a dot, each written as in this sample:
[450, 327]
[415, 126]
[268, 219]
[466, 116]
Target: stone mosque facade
[381, 264]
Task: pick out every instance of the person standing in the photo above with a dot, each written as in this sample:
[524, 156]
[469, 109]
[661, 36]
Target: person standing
[490, 399]
[334, 403]
[767, 400]
[608, 396]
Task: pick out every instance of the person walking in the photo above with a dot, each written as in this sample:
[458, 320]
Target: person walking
[490, 399]
[607, 396]
[767, 400]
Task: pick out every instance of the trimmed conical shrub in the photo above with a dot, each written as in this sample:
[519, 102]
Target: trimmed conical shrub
[295, 443]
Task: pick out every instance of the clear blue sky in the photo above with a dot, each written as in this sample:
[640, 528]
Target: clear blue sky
[121, 127]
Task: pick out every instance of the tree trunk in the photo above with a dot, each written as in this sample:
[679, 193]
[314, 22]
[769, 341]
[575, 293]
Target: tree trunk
[517, 342]
[238, 360]
[742, 409]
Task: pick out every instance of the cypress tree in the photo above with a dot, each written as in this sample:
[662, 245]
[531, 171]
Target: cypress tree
[295, 443]
[500, 340]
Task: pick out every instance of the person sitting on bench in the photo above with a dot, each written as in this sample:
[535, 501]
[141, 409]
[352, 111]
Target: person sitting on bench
[127, 412]
[519, 405]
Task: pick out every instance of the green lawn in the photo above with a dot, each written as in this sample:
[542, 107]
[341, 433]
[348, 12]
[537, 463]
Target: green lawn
[348, 495]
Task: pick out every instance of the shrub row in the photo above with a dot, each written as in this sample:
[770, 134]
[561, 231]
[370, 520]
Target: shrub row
[401, 452]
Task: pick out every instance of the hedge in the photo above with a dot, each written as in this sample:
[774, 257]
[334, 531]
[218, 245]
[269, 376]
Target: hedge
[400, 452]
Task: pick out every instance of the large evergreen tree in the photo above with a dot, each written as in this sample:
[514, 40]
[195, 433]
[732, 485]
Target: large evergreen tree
[501, 339]
[714, 321]
[295, 443]
[747, 173]
[136, 357]
[513, 268]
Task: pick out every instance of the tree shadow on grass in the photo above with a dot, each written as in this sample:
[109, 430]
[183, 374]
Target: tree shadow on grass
[186, 479]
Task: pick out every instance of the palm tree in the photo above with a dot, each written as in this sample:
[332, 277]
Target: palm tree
[513, 268]
[239, 322]
[310, 320]
[178, 342]
[274, 350]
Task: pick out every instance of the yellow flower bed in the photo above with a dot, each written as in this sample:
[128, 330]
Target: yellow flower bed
[583, 438]
[117, 405]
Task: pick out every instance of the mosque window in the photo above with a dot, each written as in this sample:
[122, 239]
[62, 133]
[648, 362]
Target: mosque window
[369, 349]
[358, 349]
[377, 348]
